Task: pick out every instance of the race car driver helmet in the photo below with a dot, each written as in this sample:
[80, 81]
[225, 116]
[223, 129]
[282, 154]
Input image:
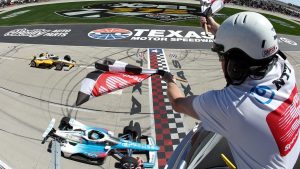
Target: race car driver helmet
[247, 42]
[42, 54]
[67, 57]
[95, 136]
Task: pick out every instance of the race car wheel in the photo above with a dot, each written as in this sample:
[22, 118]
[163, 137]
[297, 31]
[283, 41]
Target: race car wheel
[59, 66]
[100, 161]
[32, 64]
[64, 124]
[134, 131]
[129, 163]
[49, 147]
[138, 129]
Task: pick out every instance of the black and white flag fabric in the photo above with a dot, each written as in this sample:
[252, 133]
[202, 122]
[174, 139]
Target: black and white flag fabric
[122, 67]
[111, 75]
[210, 7]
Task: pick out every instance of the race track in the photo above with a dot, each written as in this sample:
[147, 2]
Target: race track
[31, 97]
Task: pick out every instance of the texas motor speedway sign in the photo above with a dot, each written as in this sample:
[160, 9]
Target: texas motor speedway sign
[105, 35]
[155, 35]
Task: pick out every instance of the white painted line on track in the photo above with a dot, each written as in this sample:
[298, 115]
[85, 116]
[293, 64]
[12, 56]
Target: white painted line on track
[87, 67]
[117, 92]
[153, 134]
[167, 65]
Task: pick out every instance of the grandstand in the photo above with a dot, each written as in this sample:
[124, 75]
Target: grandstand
[272, 6]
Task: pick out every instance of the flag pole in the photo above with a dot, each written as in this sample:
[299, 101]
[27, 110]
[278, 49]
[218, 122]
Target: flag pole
[181, 80]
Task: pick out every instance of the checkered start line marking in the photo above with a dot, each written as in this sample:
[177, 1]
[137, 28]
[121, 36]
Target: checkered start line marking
[169, 126]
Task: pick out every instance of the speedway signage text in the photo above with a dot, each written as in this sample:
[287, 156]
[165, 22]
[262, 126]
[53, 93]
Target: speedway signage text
[150, 35]
[38, 32]
[136, 36]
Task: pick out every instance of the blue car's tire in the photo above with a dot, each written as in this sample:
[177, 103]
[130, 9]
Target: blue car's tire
[133, 130]
[138, 129]
[129, 163]
[64, 124]
[49, 147]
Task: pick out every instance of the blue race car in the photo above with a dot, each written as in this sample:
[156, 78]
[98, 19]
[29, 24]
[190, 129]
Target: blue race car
[92, 145]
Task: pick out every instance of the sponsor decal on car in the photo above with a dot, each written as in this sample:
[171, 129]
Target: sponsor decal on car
[150, 35]
[92, 155]
[33, 33]
[166, 12]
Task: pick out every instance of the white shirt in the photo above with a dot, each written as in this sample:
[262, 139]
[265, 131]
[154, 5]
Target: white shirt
[259, 118]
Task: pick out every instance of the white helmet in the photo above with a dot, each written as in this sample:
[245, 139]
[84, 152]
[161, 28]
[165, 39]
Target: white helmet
[248, 31]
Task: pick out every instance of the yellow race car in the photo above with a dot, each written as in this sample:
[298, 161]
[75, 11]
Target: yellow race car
[49, 61]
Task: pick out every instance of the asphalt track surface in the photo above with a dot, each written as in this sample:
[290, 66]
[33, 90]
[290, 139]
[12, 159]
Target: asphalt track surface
[30, 97]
